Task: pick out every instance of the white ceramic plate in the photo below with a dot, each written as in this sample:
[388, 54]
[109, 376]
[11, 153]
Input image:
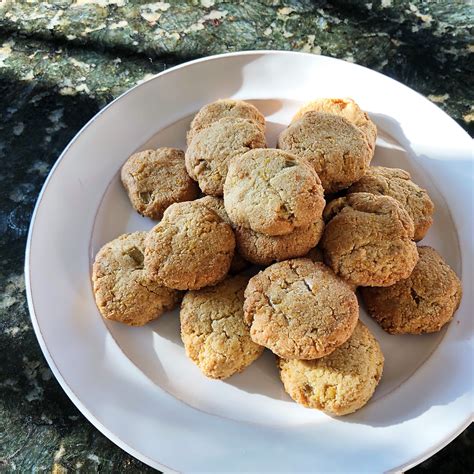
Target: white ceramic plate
[136, 384]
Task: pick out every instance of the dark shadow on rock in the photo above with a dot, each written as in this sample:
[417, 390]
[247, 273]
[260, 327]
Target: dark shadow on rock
[36, 124]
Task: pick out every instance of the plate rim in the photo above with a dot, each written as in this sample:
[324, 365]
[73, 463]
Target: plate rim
[27, 269]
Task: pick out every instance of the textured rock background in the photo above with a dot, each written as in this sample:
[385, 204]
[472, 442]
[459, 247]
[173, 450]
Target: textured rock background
[61, 61]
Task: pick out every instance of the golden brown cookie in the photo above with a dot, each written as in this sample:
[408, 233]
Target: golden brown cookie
[367, 240]
[272, 192]
[337, 149]
[224, 108]
[346, 108]
[210, 151]
[190, 248]
[216, 204]
[422, 303]
[155, 179]
[341, 382]
[123, 292]
[300, 309]
[397, 183]
[214, 332]
[265, 249]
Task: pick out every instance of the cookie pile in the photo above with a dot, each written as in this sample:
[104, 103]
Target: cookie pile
[230, 201]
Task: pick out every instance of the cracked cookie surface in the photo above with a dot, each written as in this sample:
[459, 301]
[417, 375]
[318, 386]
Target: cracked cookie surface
[272, 192]
[335, 147]
[397, 183]
[123, 292]
[190, 248]
[214, 332]
[367, 240]
[423, 303]
[210, 151]
[264, 249]
[341, 382]
[155, 179]
[300, 309]
[224, 108]
[344, 107]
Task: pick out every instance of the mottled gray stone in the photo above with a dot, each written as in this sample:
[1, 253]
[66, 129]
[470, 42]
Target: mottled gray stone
[426, 45]
[60, 62]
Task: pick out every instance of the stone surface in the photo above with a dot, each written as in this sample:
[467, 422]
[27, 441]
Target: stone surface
[60, 62]
[426, 45]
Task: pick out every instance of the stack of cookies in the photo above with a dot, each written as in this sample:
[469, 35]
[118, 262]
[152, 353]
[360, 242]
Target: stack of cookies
[315, 214]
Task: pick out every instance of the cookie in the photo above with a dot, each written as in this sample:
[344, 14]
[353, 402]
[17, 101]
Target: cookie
[339, 383]
[123, 292]
[367, 240]
[208, 155]
[272, 192]
[190, 248]
[155, 179]
[335, 147]
[300, 309]
[397, 183]
[346, 108]
[213, 330]
[224, 108]
[316, 255]
[422, 303]
[216, 204]
[264, 249]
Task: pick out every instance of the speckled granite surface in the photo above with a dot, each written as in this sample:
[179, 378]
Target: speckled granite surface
[60, 62]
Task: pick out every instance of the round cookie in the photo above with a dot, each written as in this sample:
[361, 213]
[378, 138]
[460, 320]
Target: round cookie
[272, 192]
[217, 205]
[423, 303]
[264, 249]
[190, 248]
[337, 149]
[224, 108]
[341, 382]
[155, 179]
[123, 292]
[346, 108]
[210, 151]
[367, 240]
[300, 309]
[397, 183]
[213, 330]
